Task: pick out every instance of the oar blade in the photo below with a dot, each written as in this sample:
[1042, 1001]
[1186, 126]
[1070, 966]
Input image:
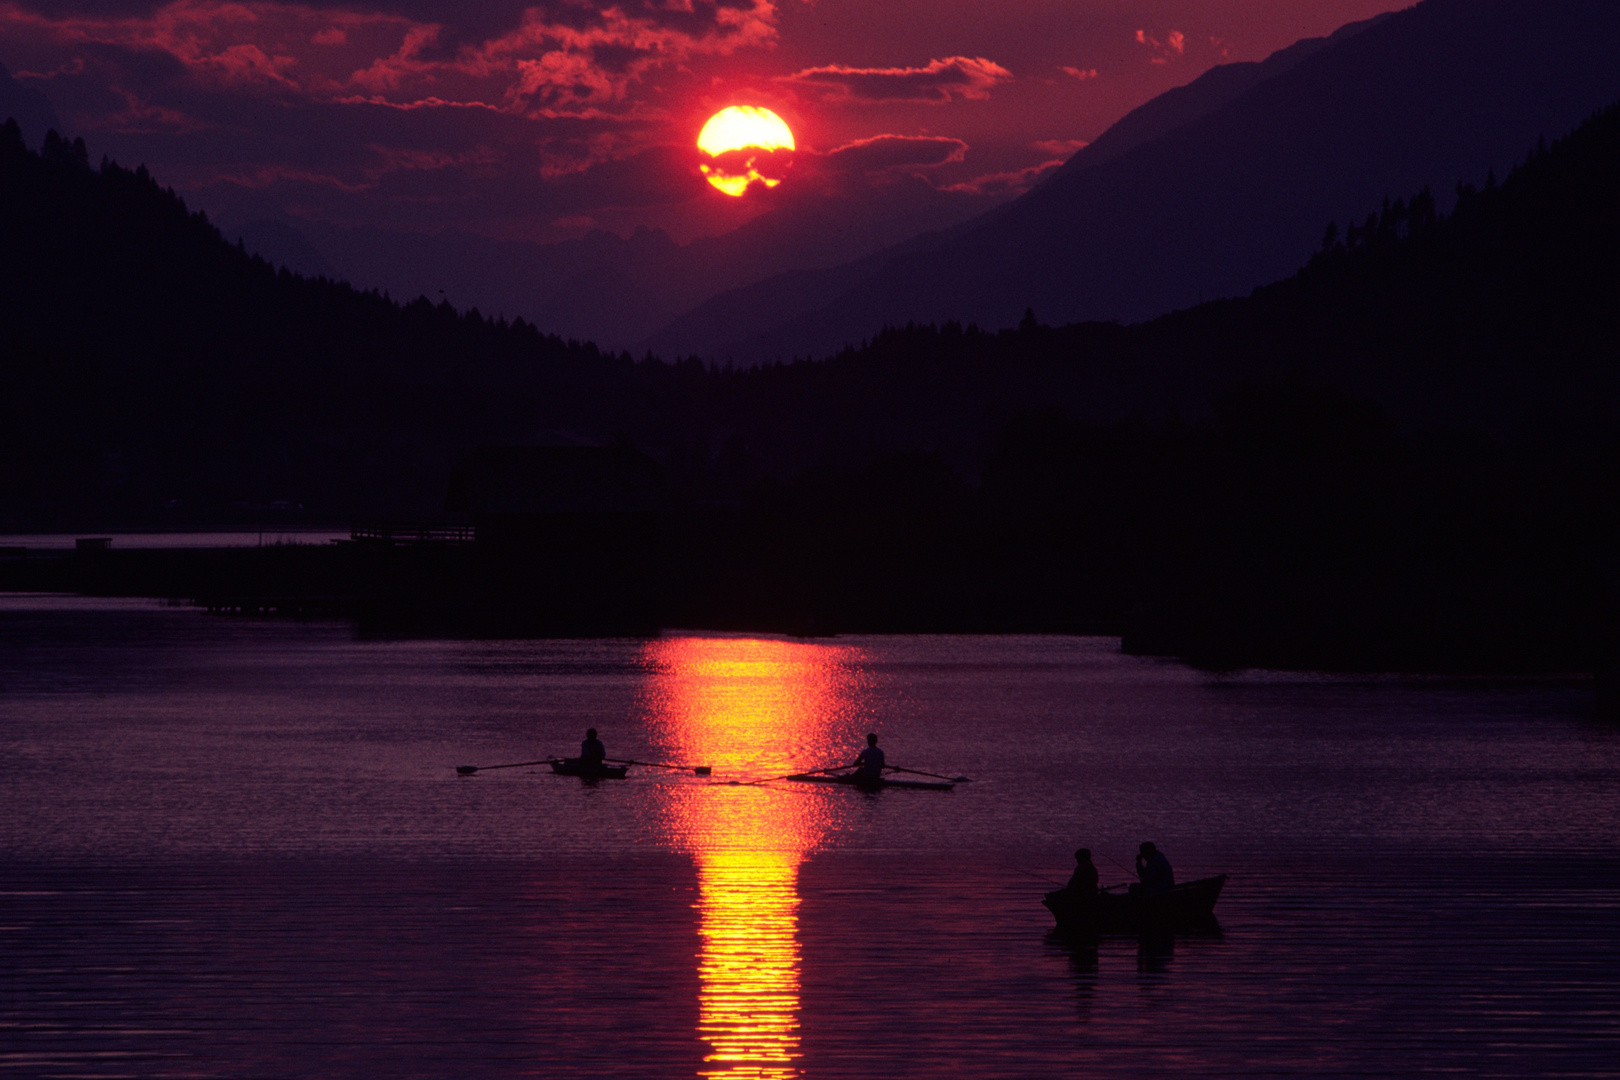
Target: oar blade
[466, 770]
[701, 770]
[935, 775]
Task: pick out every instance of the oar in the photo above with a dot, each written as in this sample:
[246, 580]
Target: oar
[789, 776]
[935, 775]
[701, 770]
[468, 770]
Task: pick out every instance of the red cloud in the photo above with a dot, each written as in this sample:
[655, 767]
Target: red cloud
[1060, 147]
[218, 43]
[939, 82]
[544, 109]
[191, 64]
[1173, 46]
[577, 58]
[1080, 73]
[573, 57]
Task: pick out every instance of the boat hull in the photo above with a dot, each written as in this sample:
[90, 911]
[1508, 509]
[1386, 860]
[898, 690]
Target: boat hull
[862, 784]
[575, 767]
[1190, 906]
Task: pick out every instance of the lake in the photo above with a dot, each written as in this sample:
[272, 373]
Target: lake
[240, 848]
[64, 542]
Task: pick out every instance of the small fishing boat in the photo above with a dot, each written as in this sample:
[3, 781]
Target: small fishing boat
[1187, 906]
[869, 784]
[576, 767]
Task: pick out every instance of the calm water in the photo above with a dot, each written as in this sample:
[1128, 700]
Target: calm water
[123, 540]
[233, 848]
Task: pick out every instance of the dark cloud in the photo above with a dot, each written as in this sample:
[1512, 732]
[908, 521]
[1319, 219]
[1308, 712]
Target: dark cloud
[1009, 183]
[895, 151]
[939, 82]
[657, 176]
[431, 168]
[542, 57]
[462, 21]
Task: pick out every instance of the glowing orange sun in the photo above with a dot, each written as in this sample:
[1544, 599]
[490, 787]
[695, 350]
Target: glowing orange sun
[744, 145]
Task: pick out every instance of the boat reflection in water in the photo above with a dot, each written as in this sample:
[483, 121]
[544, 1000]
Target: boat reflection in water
[750, 708]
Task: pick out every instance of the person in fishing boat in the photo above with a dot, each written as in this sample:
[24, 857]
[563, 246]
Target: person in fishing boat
[1083, 882]
[1153, 870]
[592, 751]
[869, 763]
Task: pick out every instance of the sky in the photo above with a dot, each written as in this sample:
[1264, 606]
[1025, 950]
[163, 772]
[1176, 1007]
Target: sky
[540, 121]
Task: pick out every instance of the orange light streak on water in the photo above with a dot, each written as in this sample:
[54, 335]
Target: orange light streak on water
[751, 708]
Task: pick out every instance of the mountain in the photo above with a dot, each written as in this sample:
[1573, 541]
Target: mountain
[1401, 456]
[150, 363]
[726, 327]
[605, 288]
[281, 244]
[1212, 90]
[714, 328]
[156, 373]
[1233, 197]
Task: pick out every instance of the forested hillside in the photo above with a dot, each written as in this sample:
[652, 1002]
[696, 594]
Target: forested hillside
[1404, 455]
[156, 368]
[152, 369]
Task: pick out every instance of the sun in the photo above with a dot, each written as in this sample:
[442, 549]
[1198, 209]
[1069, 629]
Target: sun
[744, 145]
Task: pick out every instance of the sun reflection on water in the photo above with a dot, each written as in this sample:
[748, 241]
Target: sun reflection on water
[750, 708]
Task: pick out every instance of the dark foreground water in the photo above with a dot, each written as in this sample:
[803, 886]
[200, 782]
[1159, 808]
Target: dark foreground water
[240, 849]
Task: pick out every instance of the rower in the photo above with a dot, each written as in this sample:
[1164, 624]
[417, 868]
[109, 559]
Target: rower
[869, 763]
[1153, 870]
[591, 751]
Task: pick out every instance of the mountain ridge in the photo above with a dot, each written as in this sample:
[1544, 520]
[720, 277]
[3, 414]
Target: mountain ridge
[1238, 196]
[600, 286]
[755, 308]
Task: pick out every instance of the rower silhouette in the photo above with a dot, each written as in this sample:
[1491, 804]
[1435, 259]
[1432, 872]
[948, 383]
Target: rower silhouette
[869, 763]
[592, 752]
